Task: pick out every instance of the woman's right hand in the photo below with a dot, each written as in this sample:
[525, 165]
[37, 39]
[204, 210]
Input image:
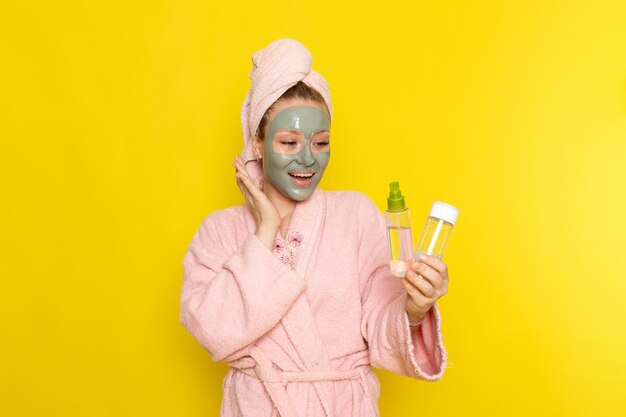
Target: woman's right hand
[265, 213]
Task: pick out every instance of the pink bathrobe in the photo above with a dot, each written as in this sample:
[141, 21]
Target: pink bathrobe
[300, 342]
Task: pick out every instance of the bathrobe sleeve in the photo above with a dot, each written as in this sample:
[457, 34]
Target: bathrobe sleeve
[231, 296]
[417, 352]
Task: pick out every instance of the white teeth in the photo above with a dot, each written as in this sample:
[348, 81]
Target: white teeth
[301, 175]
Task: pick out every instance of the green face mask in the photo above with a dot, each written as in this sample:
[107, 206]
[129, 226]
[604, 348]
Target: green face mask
[297, 150]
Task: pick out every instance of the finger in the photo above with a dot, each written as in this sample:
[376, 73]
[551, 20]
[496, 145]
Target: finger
[246, 195]
[243, 188]
[419, 282]
[416, 295]
[241, 169]
[245, 182]
[254, 191]
[429, 274]
[437, 264]
[245, 173]
[240, 166]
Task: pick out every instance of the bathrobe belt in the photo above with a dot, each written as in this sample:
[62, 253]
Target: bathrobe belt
[267, 374]
[275, 380]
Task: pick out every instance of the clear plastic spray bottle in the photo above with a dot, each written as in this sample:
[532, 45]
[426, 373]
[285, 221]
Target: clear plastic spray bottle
[398, 231]
[437, 230]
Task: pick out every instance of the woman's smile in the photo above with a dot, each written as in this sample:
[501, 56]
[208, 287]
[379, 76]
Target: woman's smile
[302, 179]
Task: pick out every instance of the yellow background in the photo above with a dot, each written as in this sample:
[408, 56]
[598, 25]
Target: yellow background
[119, 122]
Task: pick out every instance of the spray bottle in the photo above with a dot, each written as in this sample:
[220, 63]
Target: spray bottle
[398, 223]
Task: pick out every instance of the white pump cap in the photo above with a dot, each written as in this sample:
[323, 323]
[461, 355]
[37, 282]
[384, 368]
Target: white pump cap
[444, 211]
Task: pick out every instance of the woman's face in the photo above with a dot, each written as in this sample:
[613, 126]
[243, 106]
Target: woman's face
[296, 149]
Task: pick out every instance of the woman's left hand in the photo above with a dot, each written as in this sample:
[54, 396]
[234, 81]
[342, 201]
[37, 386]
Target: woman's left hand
[425, 283]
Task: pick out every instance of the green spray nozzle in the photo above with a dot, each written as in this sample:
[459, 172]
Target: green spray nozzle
[395, 201]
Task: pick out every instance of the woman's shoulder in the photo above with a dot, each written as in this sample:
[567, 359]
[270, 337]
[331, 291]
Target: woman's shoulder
[225, 217]
[347, 196]
[354, 200]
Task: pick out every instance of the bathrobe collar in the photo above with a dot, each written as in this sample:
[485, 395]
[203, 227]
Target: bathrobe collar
[306, 219]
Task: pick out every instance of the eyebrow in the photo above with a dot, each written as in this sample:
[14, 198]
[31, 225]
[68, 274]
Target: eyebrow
[299, 132]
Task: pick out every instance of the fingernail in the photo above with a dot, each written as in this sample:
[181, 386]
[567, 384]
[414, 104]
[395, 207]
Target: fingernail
[410, 274]
[423, 257]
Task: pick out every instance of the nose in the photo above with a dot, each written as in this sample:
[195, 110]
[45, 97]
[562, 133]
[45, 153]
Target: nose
[305, 157]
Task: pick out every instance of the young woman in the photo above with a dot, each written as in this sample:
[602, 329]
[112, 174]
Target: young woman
[293, 289]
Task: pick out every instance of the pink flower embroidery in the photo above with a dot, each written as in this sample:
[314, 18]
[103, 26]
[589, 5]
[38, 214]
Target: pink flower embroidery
[286, 249]
[294, 239]
[279, 245]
